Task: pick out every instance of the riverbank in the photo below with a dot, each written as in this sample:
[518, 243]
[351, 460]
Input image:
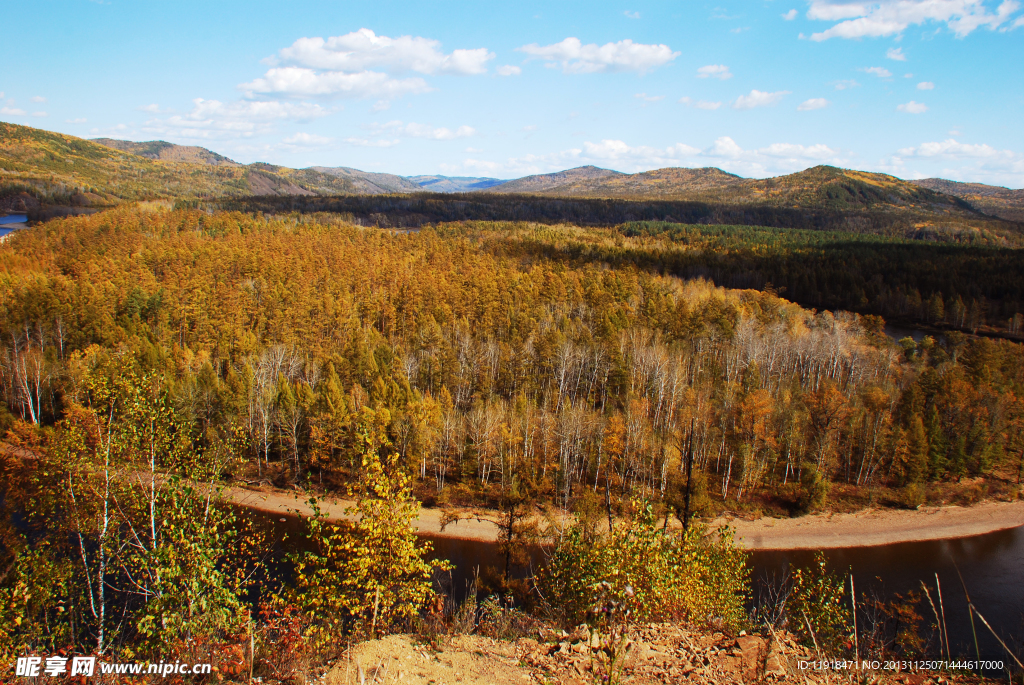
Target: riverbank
[816, 531]
[875, 526]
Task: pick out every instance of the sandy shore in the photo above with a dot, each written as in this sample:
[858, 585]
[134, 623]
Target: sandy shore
[818, 531]
[877, 526]
[428, 523]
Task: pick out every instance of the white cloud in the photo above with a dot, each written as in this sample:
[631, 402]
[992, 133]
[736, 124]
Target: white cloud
[38, 98]
[80, 120]
[926, 85]
[912, 107]
[846, 85]
[966, 161]
[880, 72]
[813, 103]
[302, 82]
[719, 71]
[425, 131]
[875, 18]
[414, 130]
[363, 50]
[307, 139]
[625, 55]
[509, 70]
[632, 15]
[617, 154]
[817, 152]
[152, 109]
[366, 142]
[758, 98]
[896, 54]
[790, 15]
[12, 111]
[700, 104]
[361, 64]
[649, 98]
[40, 114]
[240, 119]
[951, 148]
[772, 159]
[618, 151]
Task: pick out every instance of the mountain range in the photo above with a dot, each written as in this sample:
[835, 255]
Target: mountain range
[42, 168]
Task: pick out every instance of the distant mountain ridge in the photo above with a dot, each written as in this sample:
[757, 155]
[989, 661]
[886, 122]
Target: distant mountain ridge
[995, 200]
[44, 169]
[455, 184]
[547, 183]
[591, 181]
[348, 179]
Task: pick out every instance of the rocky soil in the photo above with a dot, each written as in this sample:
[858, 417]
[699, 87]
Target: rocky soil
[660, 653]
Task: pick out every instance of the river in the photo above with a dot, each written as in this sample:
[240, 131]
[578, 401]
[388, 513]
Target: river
[992, 566]
[13, 219]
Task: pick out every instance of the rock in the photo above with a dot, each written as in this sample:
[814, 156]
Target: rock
[775, 665]
[581, 634]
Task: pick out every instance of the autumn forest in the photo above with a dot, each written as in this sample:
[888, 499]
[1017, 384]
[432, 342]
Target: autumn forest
[551, 359]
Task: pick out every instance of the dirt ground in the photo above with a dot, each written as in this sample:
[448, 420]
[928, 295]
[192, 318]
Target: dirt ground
[660, 653]
[816, 531]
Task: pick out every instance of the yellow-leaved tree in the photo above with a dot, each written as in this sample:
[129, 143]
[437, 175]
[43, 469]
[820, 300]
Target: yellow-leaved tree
[369, 575]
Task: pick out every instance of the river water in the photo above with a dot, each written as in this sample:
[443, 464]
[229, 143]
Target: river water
[992, 567]
[14, 219]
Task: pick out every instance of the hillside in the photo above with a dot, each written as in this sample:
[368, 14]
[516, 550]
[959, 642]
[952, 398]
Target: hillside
[168, 152]
[995, 200]
[49, 173]
[358, 182]
[45, 169]
[552, 183]
[671, 183]
[454, 184]
[821, 187]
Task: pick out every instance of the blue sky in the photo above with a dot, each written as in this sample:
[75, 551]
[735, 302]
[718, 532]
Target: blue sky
[915, 88]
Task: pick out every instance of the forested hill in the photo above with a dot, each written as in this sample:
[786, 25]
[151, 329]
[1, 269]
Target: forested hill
[994, 200]
[168, 152]
[41, 169]
[956, 224]
[819, 187]
[554, 357]
[49, 173]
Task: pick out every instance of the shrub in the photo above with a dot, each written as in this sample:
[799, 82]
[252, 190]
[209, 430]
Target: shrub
[819, 598]
[696, 575]
[813, 489]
